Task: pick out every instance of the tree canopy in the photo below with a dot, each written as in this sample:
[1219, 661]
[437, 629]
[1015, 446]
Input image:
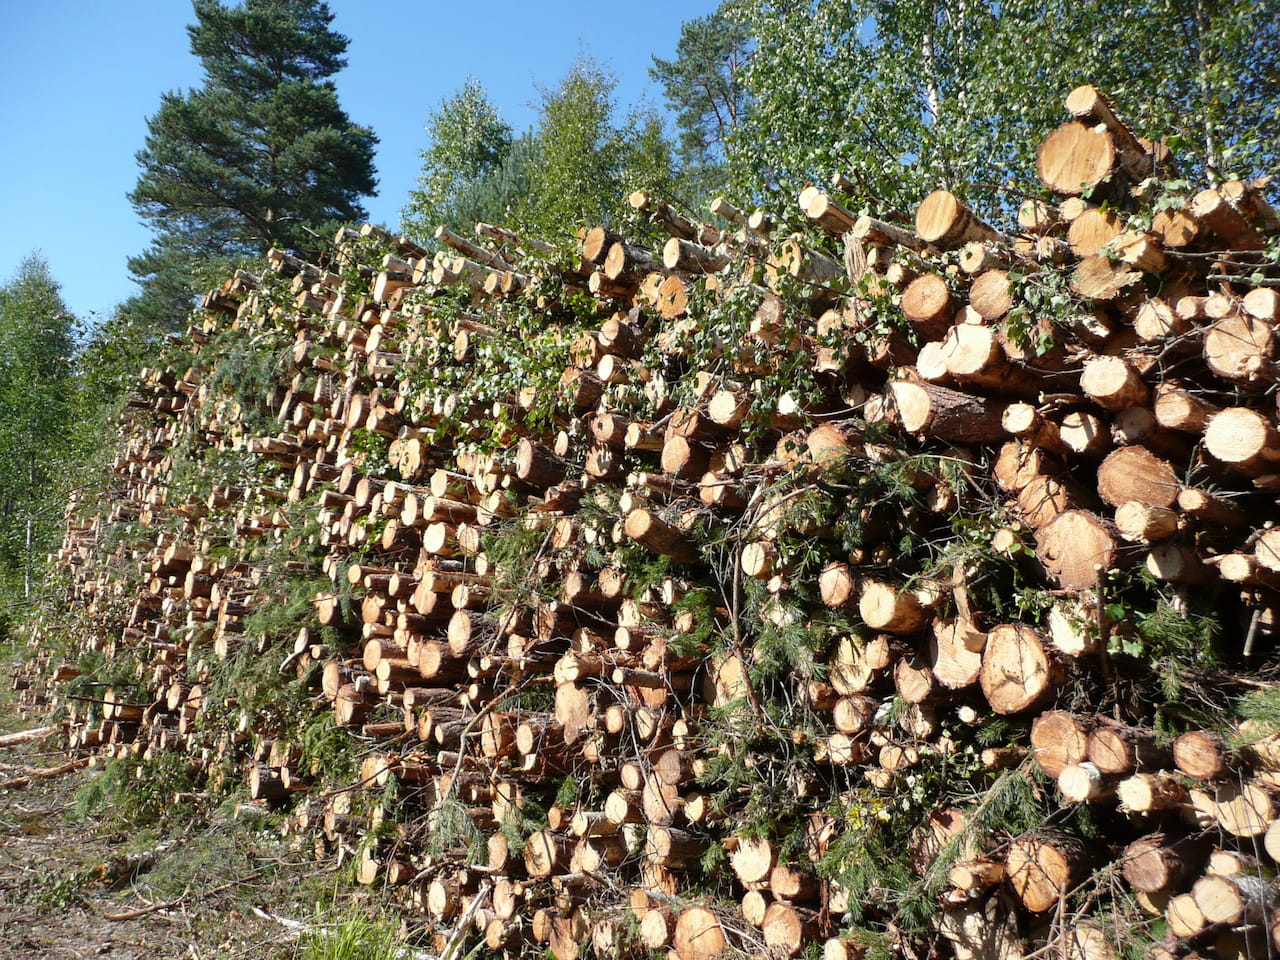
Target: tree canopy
[37, 417]
[905, 97]
[702, 84]
[261, 155]
[468, 144]
[575, 167]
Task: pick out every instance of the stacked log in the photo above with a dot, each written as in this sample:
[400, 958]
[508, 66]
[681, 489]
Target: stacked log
[648, 648]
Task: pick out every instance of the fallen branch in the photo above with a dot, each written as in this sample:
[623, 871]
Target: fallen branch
[170, 904]
[144, 911]
[45, 774]
[26, 736]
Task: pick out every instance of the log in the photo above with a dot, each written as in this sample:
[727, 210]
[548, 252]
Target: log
[650, 530]
[1156, 862]
[1232, 900]
[946, 414]
[1150, 792]
[1113, 383]
[975, 356]
[1179, 409]
[788, 929]
[1201, 754]
[1093, 231]
[1136, 474]
[46, 773]
[1142, 523]
[886, 608]
[957, 653]
[991, 295]
[698, 935]
[825, 212]
[753, 859]
[1058, 740]
[678, 254]
[928, 305]
[1018, 673]
[942, 220]
[1075, 158]
[1243, 811]
[1074, 546]
[1042, 499]
[1216, 215]
[1119, 750]
[1100, 278]
[1042, 869]
[1240, 348]
[1084, 783]
[1087, 103]
[27, 736]
[1243, 440]
[1184, 917]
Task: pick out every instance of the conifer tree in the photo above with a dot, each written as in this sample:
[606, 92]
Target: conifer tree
[261, 155]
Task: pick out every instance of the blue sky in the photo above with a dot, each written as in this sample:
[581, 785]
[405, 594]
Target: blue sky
[78, 79]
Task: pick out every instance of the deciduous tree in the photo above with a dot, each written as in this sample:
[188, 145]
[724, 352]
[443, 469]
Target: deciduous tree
[469, 148]
[37, 405]
[907, 96]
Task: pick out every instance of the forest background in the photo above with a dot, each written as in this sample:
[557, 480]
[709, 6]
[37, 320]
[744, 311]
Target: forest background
[253, 147]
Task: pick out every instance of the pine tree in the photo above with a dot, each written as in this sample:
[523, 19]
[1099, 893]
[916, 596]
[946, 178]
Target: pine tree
[703, 87]
[262, 155]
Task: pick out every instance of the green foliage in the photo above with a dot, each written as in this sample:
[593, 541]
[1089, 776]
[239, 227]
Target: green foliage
[261, 155]
[725, 317]
[951, 94]
[574, 168]
[1176, 636]
[702, 84]
[647, 163]
[327, 747]
[469, 147]
[527, 349]
[139, 801]
[357, 936]
[1039, 296]
[1263, 708]
[575, 179]
[568, 792]
[873, 853]
[452, 828]
[38, 410]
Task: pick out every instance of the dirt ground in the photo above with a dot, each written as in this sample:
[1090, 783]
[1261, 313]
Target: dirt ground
[67, 892]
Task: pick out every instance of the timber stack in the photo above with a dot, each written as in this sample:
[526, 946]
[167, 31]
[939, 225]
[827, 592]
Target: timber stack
[738, 591]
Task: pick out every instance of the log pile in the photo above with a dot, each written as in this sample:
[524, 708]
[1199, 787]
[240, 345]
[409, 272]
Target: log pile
[672, 594]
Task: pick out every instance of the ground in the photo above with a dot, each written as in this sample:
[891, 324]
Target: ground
[63, 875]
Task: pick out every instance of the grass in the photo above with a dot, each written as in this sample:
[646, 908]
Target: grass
[355, 936]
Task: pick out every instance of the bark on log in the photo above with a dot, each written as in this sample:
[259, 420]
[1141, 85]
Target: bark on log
[946, 414]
